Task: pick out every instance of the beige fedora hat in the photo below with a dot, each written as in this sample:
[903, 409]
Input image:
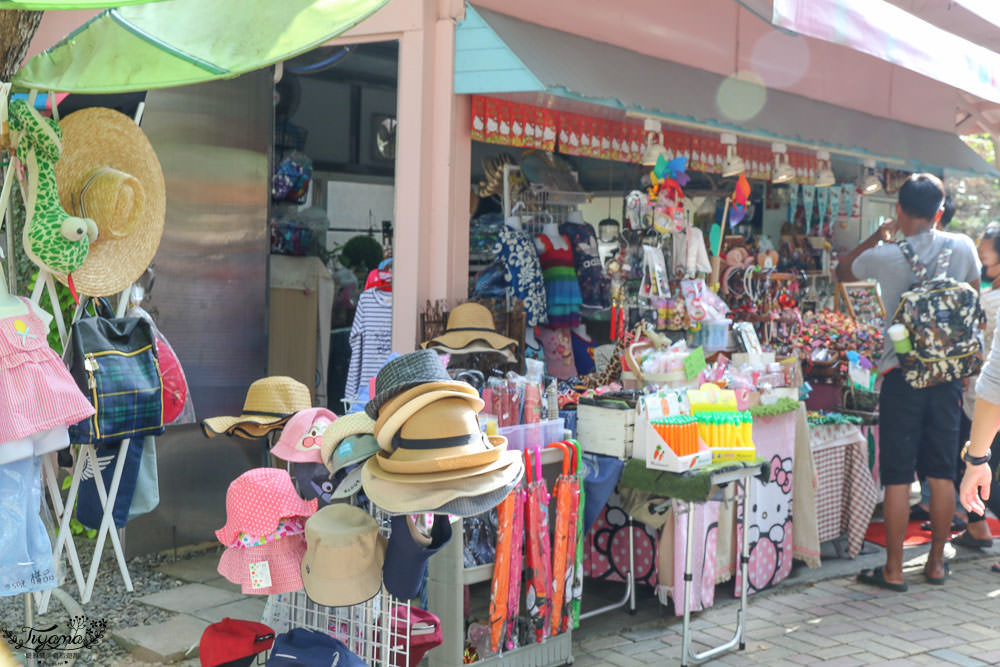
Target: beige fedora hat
[398, 410]
[428, 497]
[109, 172]
[441, 435]
[269, 404]
[468, 324]
[381, 460]
[344, 556]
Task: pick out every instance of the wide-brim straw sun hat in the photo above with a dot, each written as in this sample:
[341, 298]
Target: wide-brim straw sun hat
[405, 372]
[270, 402]
[109, 172]
[395, 412]
[471, 324]
[397, 498]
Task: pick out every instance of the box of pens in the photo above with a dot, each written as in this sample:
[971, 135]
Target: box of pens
[672, 443]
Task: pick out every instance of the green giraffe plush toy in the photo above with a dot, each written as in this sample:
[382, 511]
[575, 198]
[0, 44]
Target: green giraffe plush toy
[53, 239]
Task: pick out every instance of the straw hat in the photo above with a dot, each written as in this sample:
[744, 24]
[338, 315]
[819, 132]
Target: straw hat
[398, 410]
[443, 435]
[344, 556]
[471, 323]
[269, 404]
[109, 172]
[405, 372]
[430, 497]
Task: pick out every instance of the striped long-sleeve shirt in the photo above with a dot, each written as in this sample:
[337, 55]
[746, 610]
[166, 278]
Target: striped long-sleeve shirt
[371, 339]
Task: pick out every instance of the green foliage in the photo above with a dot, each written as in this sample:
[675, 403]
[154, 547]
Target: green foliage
[361, 254]
[977, 200]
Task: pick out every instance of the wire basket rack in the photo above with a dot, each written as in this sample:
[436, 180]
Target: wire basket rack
[378, 630]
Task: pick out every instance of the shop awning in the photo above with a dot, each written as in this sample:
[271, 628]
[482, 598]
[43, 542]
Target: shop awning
[181, 42]
[496, 54]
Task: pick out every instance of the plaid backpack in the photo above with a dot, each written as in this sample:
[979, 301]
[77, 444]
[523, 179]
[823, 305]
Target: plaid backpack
[944, 318]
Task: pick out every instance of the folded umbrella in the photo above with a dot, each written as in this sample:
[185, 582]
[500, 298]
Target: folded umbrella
[538, 573]
[516, 561]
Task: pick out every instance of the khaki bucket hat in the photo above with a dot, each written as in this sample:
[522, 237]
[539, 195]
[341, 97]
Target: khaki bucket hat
[344, 556]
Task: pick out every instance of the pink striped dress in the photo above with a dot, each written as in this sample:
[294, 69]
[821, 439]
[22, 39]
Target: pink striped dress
[37, 393]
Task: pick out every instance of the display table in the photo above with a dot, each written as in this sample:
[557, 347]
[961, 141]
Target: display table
[846, 494]
[689, 488]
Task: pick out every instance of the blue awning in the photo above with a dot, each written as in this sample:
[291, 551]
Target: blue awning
[499, 55]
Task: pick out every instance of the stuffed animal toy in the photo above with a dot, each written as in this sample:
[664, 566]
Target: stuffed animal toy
[53, 239]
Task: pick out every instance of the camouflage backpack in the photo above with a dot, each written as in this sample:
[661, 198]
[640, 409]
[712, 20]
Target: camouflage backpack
[944, 319]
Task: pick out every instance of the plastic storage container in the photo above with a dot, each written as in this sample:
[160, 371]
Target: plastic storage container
[529, 436]
[717, 334]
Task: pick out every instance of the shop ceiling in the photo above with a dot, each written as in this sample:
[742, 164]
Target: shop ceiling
[506, 57]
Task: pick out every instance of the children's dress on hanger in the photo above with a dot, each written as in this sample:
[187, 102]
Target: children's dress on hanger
[523, 272]
[25, 550]
[39, 397]
[371, 340]
[594, 289]
[561, 287]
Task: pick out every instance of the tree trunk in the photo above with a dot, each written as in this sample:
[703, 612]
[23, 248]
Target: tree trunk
[17, 27]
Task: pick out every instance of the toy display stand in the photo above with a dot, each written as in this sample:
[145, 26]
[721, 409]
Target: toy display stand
[717, 475]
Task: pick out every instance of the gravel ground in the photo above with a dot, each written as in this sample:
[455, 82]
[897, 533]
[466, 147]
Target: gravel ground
[110, 600]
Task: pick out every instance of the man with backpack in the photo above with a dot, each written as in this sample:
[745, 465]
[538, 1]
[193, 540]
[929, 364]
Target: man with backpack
[928, 282]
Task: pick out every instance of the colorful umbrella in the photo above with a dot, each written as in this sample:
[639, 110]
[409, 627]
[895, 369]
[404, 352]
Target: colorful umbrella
[538, 571]
[577, 590]
[567, 495]
[516, 560]
[501, 570]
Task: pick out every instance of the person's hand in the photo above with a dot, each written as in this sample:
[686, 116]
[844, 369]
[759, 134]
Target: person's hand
[887, 230]
[975, 487]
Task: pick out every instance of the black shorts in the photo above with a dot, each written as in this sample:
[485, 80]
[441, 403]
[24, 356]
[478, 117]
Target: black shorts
[918, 429]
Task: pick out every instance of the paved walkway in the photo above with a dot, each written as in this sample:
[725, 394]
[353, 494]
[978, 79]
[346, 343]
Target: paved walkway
[826, 621]
[836, 622]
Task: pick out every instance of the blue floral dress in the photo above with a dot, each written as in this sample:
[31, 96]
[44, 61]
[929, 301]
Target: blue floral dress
[523, 273]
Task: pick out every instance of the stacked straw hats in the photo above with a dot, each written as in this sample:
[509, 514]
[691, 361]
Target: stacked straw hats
[471, 329]
[433, 456]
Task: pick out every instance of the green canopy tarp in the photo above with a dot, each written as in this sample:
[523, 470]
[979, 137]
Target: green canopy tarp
[181, 42]
[45, 5]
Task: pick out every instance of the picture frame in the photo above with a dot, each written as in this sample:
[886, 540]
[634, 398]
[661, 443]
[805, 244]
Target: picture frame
[862, 300]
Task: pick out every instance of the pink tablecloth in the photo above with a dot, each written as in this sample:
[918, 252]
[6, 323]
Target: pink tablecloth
[846, 496]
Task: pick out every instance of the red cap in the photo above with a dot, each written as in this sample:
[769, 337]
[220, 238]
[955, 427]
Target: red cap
[230, 639]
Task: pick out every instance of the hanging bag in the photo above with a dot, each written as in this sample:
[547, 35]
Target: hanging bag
[944, 319]
[115, 365]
